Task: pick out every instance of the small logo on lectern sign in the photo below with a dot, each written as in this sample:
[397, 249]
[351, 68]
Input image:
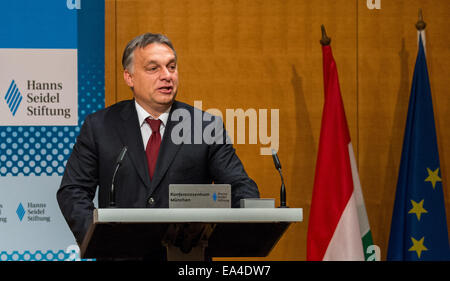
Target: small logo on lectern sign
[20, 211]
[214, 197]
[13, 97]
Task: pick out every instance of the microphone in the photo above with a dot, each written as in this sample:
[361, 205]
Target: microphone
[112, 194]
[277, 163]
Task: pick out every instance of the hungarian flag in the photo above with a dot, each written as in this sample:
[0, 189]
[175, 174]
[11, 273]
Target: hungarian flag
[338, 226]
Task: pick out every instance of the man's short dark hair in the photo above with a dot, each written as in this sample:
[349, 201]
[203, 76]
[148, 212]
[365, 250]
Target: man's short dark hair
[142, 41]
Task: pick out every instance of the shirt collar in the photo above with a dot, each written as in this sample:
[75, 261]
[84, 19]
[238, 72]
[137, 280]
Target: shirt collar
[142, 115]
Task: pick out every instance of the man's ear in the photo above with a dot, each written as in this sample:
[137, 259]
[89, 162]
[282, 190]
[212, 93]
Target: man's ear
[128, 78]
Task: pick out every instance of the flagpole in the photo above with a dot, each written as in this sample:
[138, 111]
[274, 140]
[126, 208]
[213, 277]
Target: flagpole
[420, 25]
[325, 41]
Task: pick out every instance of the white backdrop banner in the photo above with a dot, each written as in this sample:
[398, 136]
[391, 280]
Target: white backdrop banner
[41, 88]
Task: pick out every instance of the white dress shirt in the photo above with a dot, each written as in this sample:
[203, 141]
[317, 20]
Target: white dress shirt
[146, 131]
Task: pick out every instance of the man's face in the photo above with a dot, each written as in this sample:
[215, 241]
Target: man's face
[153, 77]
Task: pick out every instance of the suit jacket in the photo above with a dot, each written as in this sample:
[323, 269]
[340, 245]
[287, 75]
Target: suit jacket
[107, 131]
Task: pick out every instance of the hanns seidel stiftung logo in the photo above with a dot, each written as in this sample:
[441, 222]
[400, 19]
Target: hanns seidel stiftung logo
[42, 99]
[13, 98]
[41, 93]
[39, 102]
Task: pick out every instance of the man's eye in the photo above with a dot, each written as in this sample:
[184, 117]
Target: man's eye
[153, 68]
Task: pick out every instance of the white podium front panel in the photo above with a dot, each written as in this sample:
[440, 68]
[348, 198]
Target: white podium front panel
[145, 233]
[215, 215]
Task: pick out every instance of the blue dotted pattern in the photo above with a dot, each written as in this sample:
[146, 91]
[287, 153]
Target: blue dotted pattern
[49, 255]
[61, 255]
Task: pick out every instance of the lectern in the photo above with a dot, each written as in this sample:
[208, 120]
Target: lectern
[186, 234]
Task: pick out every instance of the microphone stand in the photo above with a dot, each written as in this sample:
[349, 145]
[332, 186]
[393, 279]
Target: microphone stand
[282, 192]
[112, 194]
[277, 163]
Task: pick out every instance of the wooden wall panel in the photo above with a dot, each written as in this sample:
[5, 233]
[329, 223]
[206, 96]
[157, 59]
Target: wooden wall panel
[110, 53]
[265, 54]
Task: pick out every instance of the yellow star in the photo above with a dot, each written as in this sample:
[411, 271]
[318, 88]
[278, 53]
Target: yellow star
[433, 177]
[417, 208]
[418, 246]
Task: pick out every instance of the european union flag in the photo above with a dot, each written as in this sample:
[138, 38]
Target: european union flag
[419, 225]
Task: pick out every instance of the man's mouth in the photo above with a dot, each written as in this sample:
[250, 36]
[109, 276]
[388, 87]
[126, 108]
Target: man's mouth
[165, 89]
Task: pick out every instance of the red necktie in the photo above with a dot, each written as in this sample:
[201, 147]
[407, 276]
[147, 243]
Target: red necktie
[153, 144]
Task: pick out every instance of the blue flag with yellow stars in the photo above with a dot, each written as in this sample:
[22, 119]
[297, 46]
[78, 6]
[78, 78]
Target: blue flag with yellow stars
[419, 225]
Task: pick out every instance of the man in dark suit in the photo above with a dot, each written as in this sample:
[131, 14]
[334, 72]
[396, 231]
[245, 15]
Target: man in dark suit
[159, 152]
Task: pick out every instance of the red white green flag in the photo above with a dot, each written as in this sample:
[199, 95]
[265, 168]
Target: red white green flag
[338, 225]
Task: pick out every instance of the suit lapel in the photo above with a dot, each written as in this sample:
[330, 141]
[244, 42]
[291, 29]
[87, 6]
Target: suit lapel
[167, 152]
[130, 134]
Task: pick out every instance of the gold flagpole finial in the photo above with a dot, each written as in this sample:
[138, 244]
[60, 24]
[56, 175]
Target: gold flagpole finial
[325, 41]
[420, 25]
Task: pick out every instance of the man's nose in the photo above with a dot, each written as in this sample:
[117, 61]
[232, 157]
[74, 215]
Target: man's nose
[165, 74]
